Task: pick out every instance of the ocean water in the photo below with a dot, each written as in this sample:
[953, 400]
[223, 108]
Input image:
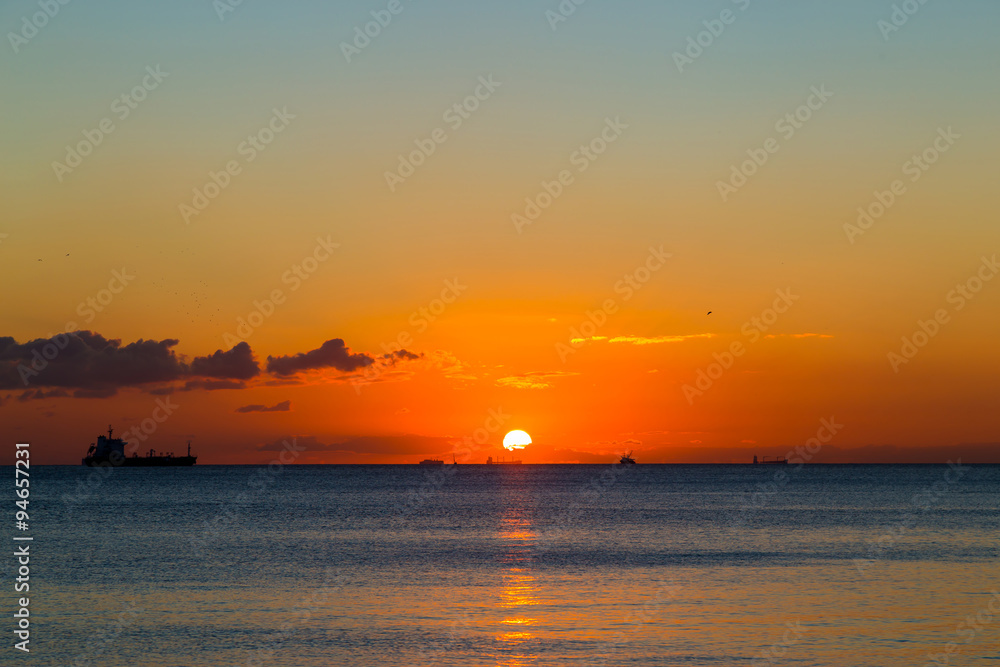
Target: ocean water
[514, 565]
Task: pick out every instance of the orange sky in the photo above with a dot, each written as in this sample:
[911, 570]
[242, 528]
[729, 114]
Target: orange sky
[552, 255]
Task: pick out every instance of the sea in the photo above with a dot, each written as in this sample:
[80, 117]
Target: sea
[511, 565]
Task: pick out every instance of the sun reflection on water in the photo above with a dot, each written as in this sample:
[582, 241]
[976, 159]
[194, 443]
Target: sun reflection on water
[519, 588]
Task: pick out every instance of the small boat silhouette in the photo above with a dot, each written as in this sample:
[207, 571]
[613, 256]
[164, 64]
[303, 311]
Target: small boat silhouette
[432, 462]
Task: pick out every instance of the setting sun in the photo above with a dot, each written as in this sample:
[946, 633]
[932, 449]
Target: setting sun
[516, 440]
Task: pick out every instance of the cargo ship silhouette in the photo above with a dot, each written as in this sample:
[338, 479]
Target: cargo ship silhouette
[110, 451]
[503, 462]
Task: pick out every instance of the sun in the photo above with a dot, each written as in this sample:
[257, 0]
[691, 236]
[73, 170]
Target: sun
[516, 440]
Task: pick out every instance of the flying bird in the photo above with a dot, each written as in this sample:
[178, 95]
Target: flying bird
[709, 312]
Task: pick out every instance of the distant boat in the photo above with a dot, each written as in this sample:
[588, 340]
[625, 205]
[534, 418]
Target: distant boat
[432, 462]
[110, 451]
[627, 459]
[503, 462]
[777, 460]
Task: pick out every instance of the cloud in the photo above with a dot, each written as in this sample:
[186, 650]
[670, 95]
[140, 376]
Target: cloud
[606, 448]
[450, 365]
[212, 385]
[284, 406]
[402, 354]
[237, 364]
[97, 367]
[574, 456]
[534, 380]
[39, 394]
[89, 365]
[87, 360]
[306, 443]
[801, 335]
[414, 445]
[357, 368]
[99, 392]
[642, 340]
[331, 354]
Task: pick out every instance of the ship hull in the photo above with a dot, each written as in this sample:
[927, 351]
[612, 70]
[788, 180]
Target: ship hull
[136, 462]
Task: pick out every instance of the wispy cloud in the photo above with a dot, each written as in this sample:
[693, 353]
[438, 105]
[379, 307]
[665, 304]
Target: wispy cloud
[801, 335]
[642, 340]
[284, 406]
[534, 380]
[407, 444]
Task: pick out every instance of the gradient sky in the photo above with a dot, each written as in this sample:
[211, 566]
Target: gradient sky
[495, 347]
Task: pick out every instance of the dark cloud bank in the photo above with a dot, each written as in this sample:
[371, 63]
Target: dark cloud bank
[284, 406]
[85, 364]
